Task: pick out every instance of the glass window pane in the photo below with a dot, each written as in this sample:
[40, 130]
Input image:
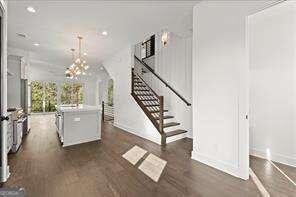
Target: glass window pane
[50, 96]
[72, 93]
[66, 93]
[110, 93]
[78, 93]
[37, 96]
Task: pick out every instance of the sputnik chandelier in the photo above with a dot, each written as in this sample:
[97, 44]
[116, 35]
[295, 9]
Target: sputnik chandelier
[78, 66]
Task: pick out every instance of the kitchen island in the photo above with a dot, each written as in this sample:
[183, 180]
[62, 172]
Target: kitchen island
[78, 124]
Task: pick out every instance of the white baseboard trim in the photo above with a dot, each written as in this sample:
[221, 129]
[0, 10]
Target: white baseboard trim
[274, 157]
[229, 169]
[259, 184]
[133, 131]
[283, 173]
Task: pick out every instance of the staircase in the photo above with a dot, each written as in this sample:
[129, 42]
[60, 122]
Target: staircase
[153, 104]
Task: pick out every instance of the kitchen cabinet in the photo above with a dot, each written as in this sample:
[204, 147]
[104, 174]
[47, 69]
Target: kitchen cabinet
[76, 125]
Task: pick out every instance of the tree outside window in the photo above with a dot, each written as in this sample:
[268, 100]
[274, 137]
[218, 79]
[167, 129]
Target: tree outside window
[72, 93]
[37, 96]
[44, 95]
[110, 92]
[50, 96]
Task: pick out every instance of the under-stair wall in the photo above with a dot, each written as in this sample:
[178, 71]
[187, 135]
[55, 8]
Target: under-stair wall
[127, 114]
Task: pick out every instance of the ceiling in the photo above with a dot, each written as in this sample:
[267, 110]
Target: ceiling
[56, 24]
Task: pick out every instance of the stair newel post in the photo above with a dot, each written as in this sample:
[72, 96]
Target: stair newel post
[161, 108]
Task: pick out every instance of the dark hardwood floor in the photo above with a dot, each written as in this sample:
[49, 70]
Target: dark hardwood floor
[275, 183]
[45, 169]
[288, 170]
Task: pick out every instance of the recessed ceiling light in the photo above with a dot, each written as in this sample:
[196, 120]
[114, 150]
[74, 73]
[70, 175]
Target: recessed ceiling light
[85, 54]
[102, 68]
[31, 9]
[36, 44]
[104, 33]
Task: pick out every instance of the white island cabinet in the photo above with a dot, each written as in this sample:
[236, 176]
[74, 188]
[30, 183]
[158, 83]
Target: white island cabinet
[79, 124]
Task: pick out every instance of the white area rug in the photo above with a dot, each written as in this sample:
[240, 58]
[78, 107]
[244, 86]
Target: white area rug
[153, 166]
[134, 154]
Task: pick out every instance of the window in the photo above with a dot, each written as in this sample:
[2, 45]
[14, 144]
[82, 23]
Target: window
[110, 92]
[44, 96]
[71, 93]
[37, 96]
[50, 97]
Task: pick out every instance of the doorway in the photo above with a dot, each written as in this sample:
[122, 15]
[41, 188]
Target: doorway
[108, 105]
[272, 65]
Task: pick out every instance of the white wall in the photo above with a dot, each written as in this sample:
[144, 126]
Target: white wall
[127, 114]
[103, 86]
[174, 64]
[273, 83]
[14, 82]
[91, 92]
[220, 130]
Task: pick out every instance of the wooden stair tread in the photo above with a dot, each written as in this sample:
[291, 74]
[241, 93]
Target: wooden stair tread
[136, 87]
[144, 94]
[149, 99]
[152, 105]
[175, 132]
[170, 124]
[165, 117]
[141, 90]
[156, 111]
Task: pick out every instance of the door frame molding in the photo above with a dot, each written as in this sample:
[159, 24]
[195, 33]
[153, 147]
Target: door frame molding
[4, 173]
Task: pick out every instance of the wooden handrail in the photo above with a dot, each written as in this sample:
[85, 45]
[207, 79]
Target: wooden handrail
[163, 81]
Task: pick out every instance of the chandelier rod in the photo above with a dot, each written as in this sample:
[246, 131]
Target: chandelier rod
[80, 39]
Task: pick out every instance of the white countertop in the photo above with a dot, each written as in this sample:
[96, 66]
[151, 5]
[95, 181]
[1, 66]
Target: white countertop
[79, 108]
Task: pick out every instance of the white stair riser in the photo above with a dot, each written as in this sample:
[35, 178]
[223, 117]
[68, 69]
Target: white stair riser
[176, 137]
[173, 128]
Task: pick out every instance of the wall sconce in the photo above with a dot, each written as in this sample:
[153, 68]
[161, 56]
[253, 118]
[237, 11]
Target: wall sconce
[165, 38]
